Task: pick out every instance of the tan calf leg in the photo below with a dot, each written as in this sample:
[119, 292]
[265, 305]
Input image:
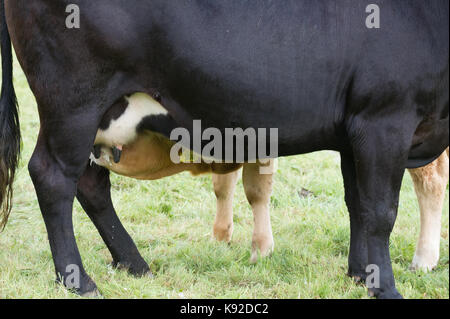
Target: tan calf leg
[224, 186]
[258, 189]
[430, 183]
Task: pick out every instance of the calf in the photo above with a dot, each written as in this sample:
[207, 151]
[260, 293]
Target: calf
[125, 146]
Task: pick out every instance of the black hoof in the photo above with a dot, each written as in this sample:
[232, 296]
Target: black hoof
[87, 287]
[137, 269]
[385, 294]
[358, 276]
[91, 294]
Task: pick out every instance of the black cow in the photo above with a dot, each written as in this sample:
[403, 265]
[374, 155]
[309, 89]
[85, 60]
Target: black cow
[312, 69]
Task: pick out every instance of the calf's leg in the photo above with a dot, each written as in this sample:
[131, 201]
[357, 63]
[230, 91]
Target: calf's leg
[258, 189]
[430, 183]
[94, 195]
[224, 187]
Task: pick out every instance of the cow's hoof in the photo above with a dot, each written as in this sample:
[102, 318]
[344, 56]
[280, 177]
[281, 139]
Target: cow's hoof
[423, 264]
[263, 247]
[85, 287]
[91, 294]
[358, 276]
[137, 269]
[223, 233]
[388, 294]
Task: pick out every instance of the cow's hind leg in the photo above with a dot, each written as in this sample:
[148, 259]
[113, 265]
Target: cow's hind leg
[95, 196]
[258, 189]
[224, 187]
[430, 183]
[57, 163]
[357, 258]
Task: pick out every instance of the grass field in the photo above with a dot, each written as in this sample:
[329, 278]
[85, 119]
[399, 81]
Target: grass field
[171, 223]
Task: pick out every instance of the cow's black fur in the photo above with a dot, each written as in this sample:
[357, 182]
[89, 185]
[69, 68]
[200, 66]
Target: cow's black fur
[309, 68]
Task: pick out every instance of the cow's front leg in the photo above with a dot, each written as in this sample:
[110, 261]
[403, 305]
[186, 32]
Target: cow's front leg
[94, 195]
[224, 187]
[258, 189]
[55, 167]
[380, 157]
[357, 258]
[430, 183]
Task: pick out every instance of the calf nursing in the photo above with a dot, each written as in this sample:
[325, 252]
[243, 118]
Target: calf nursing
[125, 146]
[382, 112]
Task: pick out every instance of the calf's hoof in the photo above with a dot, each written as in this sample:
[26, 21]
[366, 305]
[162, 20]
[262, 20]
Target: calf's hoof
[261, 246]
[223, 233]
[424, 264]
[385, 294]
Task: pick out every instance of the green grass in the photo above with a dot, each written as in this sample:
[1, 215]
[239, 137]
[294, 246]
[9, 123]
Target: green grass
[171, 222]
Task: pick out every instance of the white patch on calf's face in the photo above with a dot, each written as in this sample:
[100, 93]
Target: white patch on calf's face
[122, 130]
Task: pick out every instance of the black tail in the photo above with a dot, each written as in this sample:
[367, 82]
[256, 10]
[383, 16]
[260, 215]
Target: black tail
[9, 123]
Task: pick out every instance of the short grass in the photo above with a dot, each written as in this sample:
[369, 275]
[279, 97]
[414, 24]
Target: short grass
[171, 222]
